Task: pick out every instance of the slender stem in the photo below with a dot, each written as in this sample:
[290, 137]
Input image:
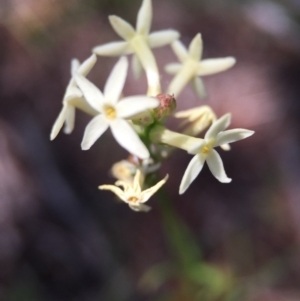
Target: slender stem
[148, 62]
[181, 242]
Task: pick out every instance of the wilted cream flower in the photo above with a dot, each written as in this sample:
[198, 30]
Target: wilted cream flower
[139, 42]
[191, 67]
[132, 194]
[198, 119]
[73, 98]
[124, 170]
[203, 150]
[113, 113]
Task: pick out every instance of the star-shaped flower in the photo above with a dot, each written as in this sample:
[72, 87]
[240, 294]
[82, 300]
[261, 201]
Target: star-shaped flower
[198, 119]
[203, 150]
[73, 98]
[139, 41]
[191, 67]
[113, 113]
[132, 194]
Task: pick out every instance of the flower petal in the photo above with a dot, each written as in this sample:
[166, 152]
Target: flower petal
[138, 181]
[140, 207]
[72, 93]
[146, 194]
[122, 27]
[198, 87]
[196, 47]
[162, 38]
[136, 66]
[116, 80]
[96, 127]
[212, 66]
[180, 51]
[192, 171]
[91, 93]
[128, 138]
[216, 167]
[173, 68]
[59, 122]
[87, 65]
[130, 106]
[113, 49]
[218, 126]
[144, 18]
[74, 66]
[116, 190]
[232, 136]
[70, 120]
[197, 147]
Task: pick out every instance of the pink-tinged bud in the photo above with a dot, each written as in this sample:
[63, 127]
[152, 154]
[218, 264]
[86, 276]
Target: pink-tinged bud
[166, 107]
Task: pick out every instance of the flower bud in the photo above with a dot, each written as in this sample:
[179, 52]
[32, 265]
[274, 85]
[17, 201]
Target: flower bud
[166, 107]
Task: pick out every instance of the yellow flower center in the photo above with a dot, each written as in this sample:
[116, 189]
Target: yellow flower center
[206, 149]
[110, 112]
[133, 199]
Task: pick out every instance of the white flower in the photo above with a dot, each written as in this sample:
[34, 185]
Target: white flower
[191, 67]
[112, 113]
[203, 150]
[139, 41]
[199, 119]
[73, 98]
[132, 194]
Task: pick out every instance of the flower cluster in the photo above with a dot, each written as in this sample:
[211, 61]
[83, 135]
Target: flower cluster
[137, 121]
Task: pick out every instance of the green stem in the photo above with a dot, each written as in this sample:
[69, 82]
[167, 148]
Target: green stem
[181, 242]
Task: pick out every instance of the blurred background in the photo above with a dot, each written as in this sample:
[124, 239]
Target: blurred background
[63, 239]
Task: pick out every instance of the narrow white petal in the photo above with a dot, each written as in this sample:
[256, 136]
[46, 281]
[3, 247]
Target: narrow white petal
[192, 171]
[91, 93]
[138, 181]
[173, 68]
[87, 65]
[162, 37]
[180, 51]
[130, 106]
[70, 120]
[96, 127]
[140, 207]
[218, 126]
[212, 66]
[113, 49]
[232, 136]
[195, 48]
[136, 67]
[146, 194]
[122, 27]
[116, 80]
[225, 147]
[72, 92]
[128, 138]
[198, 87]
[116, 190]
[197, 147]
[216, 167]
[74, 66]
[59, 122]
[144, 18]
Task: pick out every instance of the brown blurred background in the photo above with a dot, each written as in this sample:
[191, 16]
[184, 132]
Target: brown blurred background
[63, 239]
